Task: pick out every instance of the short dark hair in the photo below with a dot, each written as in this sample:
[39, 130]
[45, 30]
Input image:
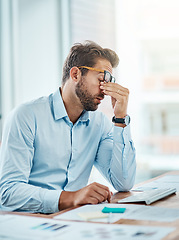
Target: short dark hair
[87, 54]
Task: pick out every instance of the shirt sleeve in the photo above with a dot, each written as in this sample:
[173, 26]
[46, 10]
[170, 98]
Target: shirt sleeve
[116, 158]
[16, 162]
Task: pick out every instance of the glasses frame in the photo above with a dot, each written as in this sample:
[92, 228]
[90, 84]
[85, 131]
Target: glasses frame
[112, 79]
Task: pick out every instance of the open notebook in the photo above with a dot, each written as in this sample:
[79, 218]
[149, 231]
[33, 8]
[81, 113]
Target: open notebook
[149, 196]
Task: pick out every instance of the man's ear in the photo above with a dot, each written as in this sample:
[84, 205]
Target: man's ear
[75, 74]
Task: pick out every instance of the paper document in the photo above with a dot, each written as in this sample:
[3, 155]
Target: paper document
[33, 228]
[5, 217]
[151, 213]
[149, 196]
[79, 213]
[28, 228]
[170, 181]
[138, 212]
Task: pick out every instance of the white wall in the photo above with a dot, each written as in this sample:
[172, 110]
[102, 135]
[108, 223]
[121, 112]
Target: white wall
[30, 50]
[39, 65]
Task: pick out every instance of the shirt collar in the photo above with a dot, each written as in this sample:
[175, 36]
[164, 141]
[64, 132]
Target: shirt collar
[58, 106]
[85, 117]
[60, 111]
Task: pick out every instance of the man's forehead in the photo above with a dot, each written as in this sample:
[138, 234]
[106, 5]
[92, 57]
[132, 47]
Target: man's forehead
[103, 64]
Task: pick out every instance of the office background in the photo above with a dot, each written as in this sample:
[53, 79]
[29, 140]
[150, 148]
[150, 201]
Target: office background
[36, 35]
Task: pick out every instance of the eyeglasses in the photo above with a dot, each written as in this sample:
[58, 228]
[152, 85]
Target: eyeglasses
[107, 75]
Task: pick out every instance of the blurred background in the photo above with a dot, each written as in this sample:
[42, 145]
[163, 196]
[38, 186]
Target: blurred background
[36, 35]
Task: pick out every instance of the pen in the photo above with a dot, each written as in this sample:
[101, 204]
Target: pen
[110, 217]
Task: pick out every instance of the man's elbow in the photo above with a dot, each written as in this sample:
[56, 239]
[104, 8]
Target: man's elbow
[125, 185]
[4, 196]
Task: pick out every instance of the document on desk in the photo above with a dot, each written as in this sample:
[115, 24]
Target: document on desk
[151, 213]
[169, 181]
[5, 217]
[137, 212]
[96, 210]
[26, 228]
[35, 228]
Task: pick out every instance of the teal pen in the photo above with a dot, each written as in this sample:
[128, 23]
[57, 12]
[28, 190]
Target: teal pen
[113, 210]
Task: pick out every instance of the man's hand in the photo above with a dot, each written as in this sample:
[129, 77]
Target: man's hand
[91, 194]
[119, 97]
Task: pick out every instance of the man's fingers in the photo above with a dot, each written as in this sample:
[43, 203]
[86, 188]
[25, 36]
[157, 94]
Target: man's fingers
[114, 87]
[100, 186]
[103, 192]
[116, 96]
[92, 194]
[92, 200]
[98, 196]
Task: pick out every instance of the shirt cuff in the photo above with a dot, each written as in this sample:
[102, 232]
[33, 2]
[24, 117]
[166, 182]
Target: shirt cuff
[51, 200]
[122, 135]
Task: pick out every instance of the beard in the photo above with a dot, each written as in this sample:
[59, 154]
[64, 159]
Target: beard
[87, 99]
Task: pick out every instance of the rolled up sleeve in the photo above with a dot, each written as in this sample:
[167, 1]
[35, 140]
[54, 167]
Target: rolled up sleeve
[116, 158]
[16, 163]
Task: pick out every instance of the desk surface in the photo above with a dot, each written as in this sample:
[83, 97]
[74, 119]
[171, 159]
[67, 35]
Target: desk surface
[168, 202]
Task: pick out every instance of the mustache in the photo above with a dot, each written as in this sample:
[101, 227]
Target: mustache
[100, 96]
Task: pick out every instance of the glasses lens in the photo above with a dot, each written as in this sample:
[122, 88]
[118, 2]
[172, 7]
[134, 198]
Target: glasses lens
[107, 76]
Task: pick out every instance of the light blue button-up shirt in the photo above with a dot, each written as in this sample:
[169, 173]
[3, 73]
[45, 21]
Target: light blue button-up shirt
[43, 153]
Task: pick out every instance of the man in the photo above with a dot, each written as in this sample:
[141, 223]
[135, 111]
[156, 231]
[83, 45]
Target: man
[50, 145]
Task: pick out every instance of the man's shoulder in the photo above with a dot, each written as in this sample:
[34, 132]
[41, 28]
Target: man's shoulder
[36, 103]
[31, 108]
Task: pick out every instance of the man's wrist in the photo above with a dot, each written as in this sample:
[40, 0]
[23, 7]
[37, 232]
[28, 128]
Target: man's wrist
[120, 125]
[122, 122]
[66, 200]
